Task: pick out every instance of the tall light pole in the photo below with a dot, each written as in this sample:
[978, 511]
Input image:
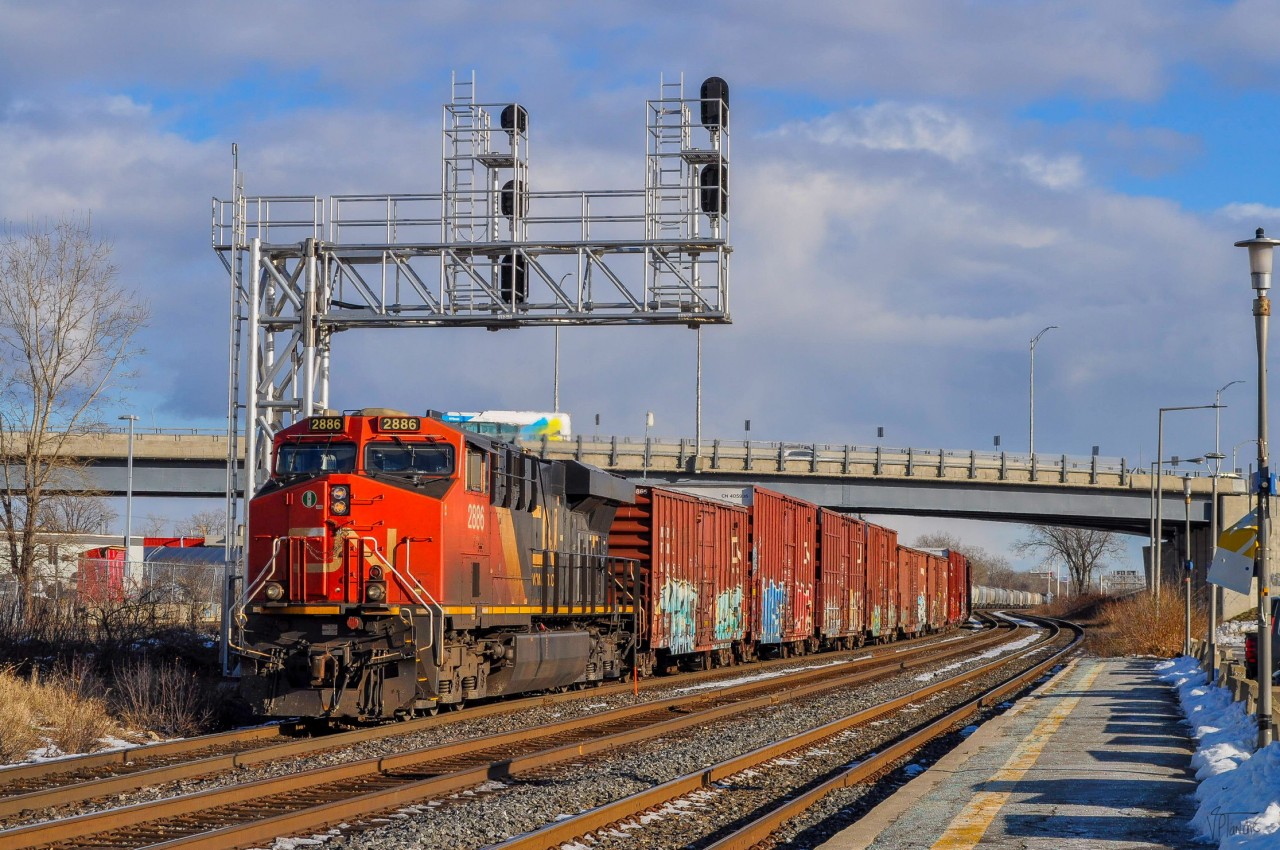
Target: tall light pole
[1186, 549]
[1260, 261]
[1234, 464]
[128, 491]
[1157, 528]
[1032, 438]
[1217, 457]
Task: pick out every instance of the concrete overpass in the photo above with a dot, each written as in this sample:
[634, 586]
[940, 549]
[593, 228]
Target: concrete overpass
[1054, 489]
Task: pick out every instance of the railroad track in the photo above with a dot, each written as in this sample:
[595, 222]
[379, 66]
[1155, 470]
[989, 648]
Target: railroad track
[728, 786]
[258, 811]
[46, 785]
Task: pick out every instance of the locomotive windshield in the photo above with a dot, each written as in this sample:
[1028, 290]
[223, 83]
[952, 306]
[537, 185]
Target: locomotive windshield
[315, 458]
[409, 459]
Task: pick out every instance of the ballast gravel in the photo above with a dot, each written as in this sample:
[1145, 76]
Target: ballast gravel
[498, 810]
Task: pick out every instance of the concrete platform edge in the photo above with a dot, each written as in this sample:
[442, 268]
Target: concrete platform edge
[860, 835]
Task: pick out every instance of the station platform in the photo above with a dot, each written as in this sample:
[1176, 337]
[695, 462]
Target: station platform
[1096, 758]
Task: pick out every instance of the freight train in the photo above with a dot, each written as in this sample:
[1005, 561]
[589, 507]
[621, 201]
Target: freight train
[398, 564]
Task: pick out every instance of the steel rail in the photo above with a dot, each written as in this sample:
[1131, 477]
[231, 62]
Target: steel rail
[752, 834]
[20, 774]
[124, 774]
[494, 754]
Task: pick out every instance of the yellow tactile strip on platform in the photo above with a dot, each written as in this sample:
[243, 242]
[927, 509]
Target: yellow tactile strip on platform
[969, 826]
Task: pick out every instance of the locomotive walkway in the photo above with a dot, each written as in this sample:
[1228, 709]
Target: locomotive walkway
[1097, 759]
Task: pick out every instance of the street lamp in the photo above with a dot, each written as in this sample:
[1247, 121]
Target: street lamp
[1032, 438]
[1260, 257]
[1217, 456]
[1235, 465]
[1186, 549]
[128, 491]
[1157, 528]
[648, 423]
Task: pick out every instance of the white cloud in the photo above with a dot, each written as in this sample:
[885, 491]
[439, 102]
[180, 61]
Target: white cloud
[893, 127]
[1250, 212]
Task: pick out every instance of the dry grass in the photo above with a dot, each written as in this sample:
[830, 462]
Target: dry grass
[1134, 626]
[49, 715]
[162, 696]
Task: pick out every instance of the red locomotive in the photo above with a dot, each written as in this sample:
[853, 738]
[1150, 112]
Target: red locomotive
[398, 564]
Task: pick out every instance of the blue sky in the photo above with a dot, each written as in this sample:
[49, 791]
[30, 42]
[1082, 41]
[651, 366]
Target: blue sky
[919, 187]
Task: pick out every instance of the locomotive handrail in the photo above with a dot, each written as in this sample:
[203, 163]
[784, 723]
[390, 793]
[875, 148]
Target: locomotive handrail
[237, 610]
[429, 603]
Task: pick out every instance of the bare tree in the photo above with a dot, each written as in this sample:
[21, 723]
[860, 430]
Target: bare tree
[986, 568]
[66, 331]
[203, 524]
[152, 526]
[1081, 550]
[75, 513]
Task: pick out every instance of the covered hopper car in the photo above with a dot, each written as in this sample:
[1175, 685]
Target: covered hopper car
[399, 564]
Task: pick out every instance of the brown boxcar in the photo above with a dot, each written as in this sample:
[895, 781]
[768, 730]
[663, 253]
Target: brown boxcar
[693, 573]
[936, 601]
[783, 558]
[881, 614]
[958, 585]
[912, 577]
[840, 612]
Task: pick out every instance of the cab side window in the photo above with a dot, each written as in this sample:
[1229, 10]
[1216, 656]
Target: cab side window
[476, 473]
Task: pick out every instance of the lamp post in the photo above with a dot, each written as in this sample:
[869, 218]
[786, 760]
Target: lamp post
[1235, 466]
[128, 491]
[1186, 548]
[648, 423]
[1217, 457]
[1032, 436]
[1260, 261]
[1157, 528]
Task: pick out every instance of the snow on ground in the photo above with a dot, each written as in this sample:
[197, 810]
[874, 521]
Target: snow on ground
[990, 653]
[761, 676]
[1239, 793]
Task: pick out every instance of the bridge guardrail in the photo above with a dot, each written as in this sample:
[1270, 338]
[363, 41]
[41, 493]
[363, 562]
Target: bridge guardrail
[664, 455]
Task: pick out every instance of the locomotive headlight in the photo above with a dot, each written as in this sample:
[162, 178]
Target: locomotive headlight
[340, 500]
[375, 591]
[275, 591]
[340, 508]
[340, 492]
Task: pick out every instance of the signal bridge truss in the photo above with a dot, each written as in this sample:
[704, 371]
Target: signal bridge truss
[489, 250]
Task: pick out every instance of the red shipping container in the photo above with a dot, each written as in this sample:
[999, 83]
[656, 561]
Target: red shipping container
[784, 546]
[881, 614]
[842, 577]
[100, 575]
[693, 571]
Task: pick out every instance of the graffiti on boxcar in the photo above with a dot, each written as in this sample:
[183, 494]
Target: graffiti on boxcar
[729, 614]
[875, 621]
[832, 621]
[679, 606]
[803, 611]
[921, 606]
[773, 606]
